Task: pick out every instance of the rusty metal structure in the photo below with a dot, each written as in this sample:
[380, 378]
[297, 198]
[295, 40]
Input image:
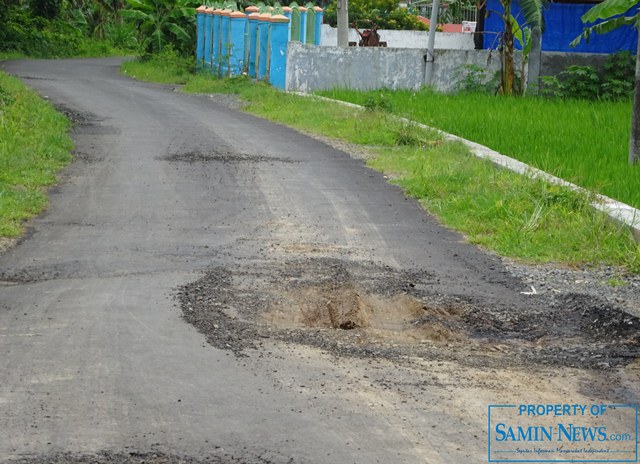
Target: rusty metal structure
[368, 37]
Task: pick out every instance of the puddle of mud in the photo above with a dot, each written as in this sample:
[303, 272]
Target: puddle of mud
[361, 309]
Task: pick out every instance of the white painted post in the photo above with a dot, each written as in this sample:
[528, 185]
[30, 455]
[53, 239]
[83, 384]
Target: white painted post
[428, 71]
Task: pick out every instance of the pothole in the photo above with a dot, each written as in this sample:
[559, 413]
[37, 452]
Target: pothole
[363, 309]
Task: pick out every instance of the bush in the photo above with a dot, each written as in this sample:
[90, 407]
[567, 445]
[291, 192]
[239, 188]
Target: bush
[615, 82]
[39, 37]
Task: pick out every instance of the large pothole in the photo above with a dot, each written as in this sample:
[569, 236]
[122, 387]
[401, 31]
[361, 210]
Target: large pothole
[362, 309]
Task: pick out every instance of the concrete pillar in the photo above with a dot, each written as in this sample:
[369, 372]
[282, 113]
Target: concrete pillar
[200, 36]
[303, 24]
[262, 58]
[287, 12]
[319, 17]
[278, 44]
[225, 45]
[208, 31]
[237, 25]
[215, 55]
[253, 35]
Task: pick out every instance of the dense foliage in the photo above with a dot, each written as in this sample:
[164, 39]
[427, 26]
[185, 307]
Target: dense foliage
[613, 82]
[61, 28]
[386, 14]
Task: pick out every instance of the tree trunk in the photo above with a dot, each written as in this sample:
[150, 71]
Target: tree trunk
[508, 66]
[634, 139]
[343, 23]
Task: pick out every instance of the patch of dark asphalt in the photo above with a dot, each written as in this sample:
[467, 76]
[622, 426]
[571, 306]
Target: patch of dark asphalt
[31, 274]
[84, 157]
[365, 310]
[145, 458]
[222, 156]
[36, 78]
[77, 118]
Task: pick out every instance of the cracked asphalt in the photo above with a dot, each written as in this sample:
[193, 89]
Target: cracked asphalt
[177, 203]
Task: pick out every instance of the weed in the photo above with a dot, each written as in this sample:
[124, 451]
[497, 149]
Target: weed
[378, 103]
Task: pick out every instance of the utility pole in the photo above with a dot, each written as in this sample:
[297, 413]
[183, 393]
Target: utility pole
[535, 58]
[431, 41]
[343, 23]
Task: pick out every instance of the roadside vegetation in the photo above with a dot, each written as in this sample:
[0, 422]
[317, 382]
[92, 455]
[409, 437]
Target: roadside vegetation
[583, 141]
[34, 145]
[502, 211]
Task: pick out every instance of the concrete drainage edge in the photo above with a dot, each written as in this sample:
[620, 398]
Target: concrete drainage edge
[616, 210]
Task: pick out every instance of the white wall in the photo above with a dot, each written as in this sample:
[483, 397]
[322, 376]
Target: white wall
[311, 67]
[404, 39]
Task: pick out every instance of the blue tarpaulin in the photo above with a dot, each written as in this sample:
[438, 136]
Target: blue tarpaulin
[563, 24]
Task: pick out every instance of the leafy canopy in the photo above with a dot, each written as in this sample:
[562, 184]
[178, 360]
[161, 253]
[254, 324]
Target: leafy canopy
[385, 13]
[609, 15]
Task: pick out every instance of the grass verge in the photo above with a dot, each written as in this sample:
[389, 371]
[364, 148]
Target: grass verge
[510, 214]
[34, 145]
[584, 142]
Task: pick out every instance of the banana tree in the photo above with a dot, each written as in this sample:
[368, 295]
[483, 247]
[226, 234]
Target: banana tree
[611, 15]
[513, 33]
[163, 22]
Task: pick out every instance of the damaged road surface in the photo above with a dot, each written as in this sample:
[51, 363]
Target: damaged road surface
[210, 287]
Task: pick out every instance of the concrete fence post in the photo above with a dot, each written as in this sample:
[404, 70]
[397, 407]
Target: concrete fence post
[303, 24]
[237, 25]
[253, 42]
[208, 37]
[200, 36]
[225, 45]
[250, 39]
[215, 55]
[263, 46]
[278, 56]
[319, 18]
[287, 13]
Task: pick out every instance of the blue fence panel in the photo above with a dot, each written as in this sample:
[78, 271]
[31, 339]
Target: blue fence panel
[563, 24]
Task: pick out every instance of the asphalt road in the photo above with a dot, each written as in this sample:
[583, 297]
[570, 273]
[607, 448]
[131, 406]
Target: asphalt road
[95, 354]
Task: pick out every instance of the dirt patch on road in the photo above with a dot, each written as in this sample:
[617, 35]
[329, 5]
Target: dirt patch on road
[221, 156]
[364, 310]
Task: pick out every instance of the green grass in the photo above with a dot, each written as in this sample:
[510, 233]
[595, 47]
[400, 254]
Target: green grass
[164, 68]
[34, 145]
[583, 142]
[513, 215]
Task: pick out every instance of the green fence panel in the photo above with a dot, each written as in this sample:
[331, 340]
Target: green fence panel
[311, 23]
[295, 24]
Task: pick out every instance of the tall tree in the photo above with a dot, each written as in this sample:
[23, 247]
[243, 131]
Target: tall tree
[611, 15]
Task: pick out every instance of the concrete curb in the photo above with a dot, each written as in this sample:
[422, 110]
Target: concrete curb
[618, 211]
